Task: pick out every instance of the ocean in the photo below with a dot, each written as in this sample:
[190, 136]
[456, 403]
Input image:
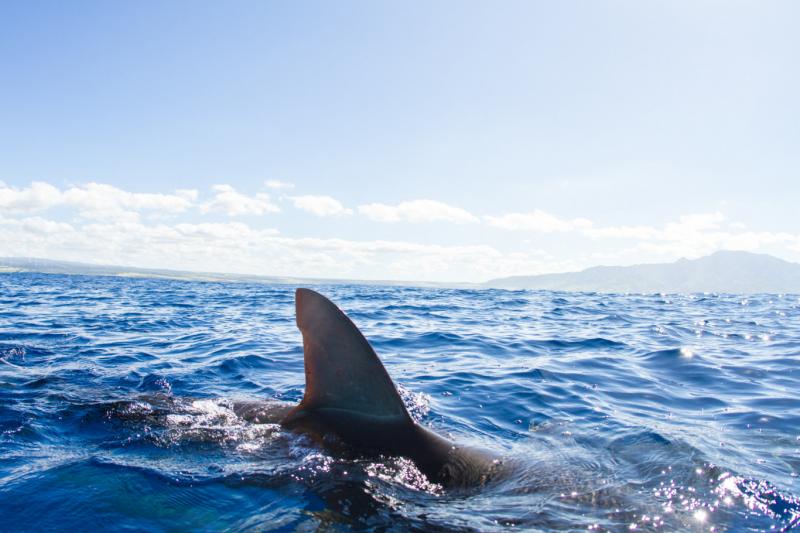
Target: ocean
[615, 412]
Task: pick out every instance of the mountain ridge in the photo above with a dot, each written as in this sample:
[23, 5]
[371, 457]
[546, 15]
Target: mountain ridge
[723, 271]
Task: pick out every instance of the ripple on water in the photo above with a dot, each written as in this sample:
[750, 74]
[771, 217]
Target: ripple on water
[659, 412]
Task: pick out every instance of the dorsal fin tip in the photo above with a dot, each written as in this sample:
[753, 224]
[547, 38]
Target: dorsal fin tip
[342, 369]
[308, 302]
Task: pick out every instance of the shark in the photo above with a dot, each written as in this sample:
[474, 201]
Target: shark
[350, 402]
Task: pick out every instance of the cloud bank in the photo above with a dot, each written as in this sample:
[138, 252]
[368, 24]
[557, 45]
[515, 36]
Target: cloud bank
[321, 206]
[416, 211]
[227, 230]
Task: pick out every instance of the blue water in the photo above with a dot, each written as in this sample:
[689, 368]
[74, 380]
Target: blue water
[654, 412]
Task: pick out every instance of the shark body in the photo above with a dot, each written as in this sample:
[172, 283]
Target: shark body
[350, 400]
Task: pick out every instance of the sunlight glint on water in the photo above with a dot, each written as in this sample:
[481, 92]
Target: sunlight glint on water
[646, 412]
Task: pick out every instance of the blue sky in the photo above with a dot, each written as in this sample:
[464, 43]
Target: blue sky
[423, 140]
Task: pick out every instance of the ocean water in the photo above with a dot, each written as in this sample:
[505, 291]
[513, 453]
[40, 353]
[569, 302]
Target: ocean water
[614, 412]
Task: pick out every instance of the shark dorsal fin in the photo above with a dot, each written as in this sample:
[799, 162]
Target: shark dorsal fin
[342, 370]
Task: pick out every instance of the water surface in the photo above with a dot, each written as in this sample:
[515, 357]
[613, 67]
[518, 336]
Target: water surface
[618, 412]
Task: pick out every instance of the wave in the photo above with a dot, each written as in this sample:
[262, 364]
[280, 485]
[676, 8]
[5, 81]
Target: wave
[115, 397]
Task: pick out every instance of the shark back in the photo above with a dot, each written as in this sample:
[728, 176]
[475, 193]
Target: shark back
[351, 399]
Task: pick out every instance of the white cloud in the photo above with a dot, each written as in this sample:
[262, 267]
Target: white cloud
[229, 232]
[115, 226]
[227, 200]
[321, 206]
[239, 248]
[189, 194]
[690, 224]
[278, 185]
[93, 200]
[621, 232]
[102, 201]
[40, 225]
[417, 211]
[699, 243]
[37, 197]
[692, 236]
[536, 221]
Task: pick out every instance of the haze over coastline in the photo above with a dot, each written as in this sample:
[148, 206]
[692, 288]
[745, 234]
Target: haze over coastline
[721, 272]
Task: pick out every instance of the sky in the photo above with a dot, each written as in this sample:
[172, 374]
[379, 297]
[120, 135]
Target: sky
[437, 141]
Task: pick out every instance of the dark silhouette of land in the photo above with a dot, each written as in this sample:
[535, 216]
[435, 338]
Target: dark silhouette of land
[725, 271]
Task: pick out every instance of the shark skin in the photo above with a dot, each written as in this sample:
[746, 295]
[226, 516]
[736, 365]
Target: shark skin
[350, 402]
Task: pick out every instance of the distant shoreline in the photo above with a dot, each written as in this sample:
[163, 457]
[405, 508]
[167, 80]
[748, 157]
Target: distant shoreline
[49, 266]
[730, 272]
